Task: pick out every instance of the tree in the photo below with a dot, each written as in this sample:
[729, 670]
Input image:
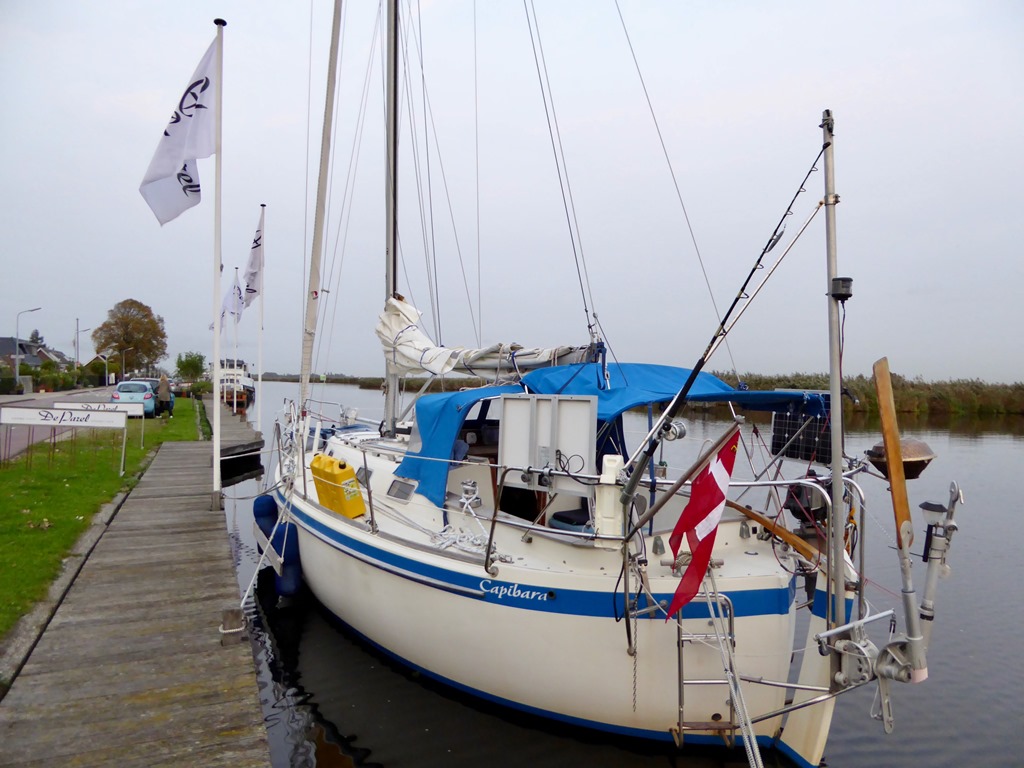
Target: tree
[191, 365]
[131, 325]
[36, 338]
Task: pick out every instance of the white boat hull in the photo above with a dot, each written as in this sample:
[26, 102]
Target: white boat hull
[562, 654]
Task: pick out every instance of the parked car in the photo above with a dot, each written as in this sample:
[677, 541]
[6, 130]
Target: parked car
[136, 392]
[155, 384]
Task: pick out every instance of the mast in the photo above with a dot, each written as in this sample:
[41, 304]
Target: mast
[836, 549]
[313, 294]
[391, 201]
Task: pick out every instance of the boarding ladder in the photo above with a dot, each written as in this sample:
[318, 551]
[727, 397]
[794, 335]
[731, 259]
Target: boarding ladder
[722, 633]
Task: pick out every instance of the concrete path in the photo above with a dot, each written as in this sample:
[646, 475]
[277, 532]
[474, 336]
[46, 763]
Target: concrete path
[15, 439]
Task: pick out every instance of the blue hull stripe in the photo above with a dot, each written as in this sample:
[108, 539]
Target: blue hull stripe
[755, 602]
[820, 606]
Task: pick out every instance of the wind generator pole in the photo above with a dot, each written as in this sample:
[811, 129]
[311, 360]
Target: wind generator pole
[836, 548]
[215, 400]
[391, 202]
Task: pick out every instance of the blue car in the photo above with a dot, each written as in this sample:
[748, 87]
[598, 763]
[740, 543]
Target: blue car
[136, 392]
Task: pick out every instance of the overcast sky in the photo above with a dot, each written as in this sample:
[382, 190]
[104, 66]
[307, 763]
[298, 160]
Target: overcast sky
[929, 119]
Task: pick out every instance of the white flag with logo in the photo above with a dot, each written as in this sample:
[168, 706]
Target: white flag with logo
[254, 269]
[232, 304]
[171, 185]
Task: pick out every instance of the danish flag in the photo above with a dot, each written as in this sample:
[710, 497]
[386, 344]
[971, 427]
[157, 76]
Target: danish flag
[699, 520]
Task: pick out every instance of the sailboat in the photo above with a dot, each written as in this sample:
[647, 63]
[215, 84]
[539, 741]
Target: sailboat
[510, 541]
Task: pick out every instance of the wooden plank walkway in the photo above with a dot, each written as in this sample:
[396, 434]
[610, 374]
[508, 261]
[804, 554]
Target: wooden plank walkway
[237, 436]
[132, 670]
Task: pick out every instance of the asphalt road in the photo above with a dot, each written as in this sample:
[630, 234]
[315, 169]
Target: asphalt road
[14, 439]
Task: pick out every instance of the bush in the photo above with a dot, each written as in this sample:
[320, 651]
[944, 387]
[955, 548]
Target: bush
[202, 388]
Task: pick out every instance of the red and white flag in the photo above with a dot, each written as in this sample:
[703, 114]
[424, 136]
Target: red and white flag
[699, 521]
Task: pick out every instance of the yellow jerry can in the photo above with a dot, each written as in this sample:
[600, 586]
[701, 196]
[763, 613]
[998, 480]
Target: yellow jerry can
[336, 485]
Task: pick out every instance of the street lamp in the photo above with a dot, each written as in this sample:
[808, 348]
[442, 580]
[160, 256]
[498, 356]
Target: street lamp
[78, 351]
[17, 346]
[129, 349]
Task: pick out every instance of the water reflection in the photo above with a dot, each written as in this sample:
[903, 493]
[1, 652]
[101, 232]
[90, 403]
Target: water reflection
[961, 426]
[334, 699]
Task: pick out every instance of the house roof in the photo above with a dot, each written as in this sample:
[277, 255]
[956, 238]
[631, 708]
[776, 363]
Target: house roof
[7, 345]
[32, 354]
[54, 354]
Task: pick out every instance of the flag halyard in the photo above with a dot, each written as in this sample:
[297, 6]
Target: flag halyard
[699, 520]
[171, 184]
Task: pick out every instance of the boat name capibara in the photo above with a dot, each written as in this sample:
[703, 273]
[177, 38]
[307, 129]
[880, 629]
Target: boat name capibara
[512, 590]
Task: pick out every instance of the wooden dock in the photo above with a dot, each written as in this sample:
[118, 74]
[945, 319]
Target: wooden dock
[133, 669]
[237, 436]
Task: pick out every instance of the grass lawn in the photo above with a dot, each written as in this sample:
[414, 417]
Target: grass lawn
[48, 500]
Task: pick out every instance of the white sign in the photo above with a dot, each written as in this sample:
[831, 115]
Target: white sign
[132, 409]
[63, 417]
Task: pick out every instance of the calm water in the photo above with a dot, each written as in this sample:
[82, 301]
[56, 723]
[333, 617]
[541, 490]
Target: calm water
[329, 701]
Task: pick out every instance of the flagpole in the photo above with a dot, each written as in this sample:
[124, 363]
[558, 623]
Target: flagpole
[259, 353]
[215, 501]
[234, 397]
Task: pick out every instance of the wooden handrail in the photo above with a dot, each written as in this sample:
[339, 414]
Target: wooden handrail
[808, 551]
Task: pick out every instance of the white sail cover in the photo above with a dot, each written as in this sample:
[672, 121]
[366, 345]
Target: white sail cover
[408, 349]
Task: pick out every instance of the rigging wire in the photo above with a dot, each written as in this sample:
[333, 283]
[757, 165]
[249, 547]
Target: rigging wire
[563, 182]
[344, 220]
[324, 305]
[406, 97]
[749, 298]
[429, 116]
[561, 153]
[455, 232]
[426, 209]
[654, 437]
[671, 169]
[430, 197]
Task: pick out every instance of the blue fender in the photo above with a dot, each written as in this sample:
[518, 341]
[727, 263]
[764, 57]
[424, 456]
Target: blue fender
[286, 543]
[264, 512]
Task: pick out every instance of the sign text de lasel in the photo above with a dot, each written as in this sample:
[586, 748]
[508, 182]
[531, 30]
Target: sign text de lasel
[132, 409]
[61, 417]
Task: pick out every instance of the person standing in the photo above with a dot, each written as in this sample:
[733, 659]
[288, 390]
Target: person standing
[163, 396]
